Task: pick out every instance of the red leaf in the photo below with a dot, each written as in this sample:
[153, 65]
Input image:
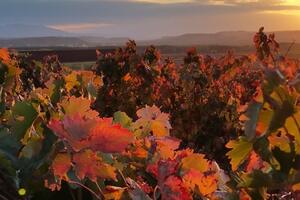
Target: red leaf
[74, 129]
[174, 189]
[109, 138]
[98, 134]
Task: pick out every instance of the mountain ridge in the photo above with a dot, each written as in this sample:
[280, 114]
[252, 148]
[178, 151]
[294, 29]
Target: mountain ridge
[20, 35]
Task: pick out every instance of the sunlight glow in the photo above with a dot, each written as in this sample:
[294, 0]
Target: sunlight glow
[291, 2]
[163, 1]
[283, 12]
[78, 26]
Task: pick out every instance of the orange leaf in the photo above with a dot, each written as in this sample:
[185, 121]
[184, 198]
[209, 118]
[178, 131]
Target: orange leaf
[89, 164]
[98, 134]
[4, 55]
[166, 147]
[61, 165]
[109, 138]
[255, 162]
[207, 184]
[74, 129]
[296, 187]
[78, 105]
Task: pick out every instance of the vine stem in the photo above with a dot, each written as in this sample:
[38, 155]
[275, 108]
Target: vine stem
[121, 174]
[154, 192]
[99, 189]
[85, 187]
[3, 197]
[123, 177]
[289, 49]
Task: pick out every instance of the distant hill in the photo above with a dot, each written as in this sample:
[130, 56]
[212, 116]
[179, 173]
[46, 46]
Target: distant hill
[43, 42]
[229, 38]
[103, 41]
[42, 36]
[24, 31]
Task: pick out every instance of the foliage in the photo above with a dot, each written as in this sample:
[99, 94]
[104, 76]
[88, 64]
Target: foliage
[141, 128]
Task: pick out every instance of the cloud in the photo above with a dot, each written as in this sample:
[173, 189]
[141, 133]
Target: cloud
[79, 27]
[152, 18]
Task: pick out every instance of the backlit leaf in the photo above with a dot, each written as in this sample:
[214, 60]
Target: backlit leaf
[89, 164]
[196, 162]
[109, 138]
[61, 165]
[206, 184]
[240, 150]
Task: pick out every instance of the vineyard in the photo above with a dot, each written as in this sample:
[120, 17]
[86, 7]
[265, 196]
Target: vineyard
[143, 128]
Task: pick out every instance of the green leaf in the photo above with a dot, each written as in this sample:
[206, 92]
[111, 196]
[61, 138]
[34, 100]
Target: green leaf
[286, 160]
[32, 148]
[240, 150]
[273, 80]
[123, 119]
[261, 147]
[27, 166]
[56, 93]
[8, 143]
[281, 114]
[256, 179]
[23, 114]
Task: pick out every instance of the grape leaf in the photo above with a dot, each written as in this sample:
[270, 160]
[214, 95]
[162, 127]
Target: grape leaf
[78, 105]
[240, 149]
[152, 119]
[206, 184]
[23, 114]
[89, 164]
[123, 119]
[109, 138]
[61, 165]
[196, 162]
[175, 189]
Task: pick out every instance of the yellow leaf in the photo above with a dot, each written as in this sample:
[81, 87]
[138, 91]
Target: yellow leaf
[71, 81]
[291, 125]
[159, 129]
[78, 105]
[195, 161]
[240, 149]
[281, 141]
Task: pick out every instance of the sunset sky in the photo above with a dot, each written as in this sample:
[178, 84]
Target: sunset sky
[146, 19]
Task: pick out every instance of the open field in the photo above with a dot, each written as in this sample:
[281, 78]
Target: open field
[88, 55]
